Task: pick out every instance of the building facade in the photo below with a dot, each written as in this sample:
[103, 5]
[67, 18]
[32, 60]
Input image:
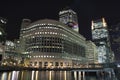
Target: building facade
[100, 36]
[51, 44]
[69, 18]
[91, 53]
[25, 22]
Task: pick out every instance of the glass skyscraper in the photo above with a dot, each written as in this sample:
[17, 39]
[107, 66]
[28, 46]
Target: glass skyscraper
[100, 36]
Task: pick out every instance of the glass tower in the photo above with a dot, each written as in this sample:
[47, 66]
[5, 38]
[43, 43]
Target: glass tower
[100, 36]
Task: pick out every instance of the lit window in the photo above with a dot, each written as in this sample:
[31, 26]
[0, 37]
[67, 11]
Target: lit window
[44, 56]
[50, 32]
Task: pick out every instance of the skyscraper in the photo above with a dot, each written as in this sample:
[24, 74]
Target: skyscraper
[100, 36]
[69, 17]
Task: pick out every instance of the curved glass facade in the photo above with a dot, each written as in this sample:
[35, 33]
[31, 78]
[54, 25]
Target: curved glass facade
[51, 42]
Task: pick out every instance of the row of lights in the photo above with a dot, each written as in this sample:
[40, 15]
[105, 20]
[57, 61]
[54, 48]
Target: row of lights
[48, 32]
[45, 47]
[55, 33]
[66, 11]
[43, 24]
[39, 28]
[45, 56]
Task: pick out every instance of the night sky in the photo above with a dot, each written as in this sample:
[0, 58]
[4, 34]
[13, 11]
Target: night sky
[87, 10]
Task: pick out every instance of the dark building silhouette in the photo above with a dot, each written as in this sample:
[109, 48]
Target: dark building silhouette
[3, 22]
[115, 40]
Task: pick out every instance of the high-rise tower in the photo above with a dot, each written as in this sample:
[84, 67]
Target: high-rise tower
[100, 36]
[69, 17]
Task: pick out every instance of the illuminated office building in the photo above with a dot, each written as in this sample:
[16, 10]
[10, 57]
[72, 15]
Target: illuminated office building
[69, 18]
[11, 55]
[51, 44]
[100, 36]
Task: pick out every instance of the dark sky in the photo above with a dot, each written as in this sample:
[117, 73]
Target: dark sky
[87, 10]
